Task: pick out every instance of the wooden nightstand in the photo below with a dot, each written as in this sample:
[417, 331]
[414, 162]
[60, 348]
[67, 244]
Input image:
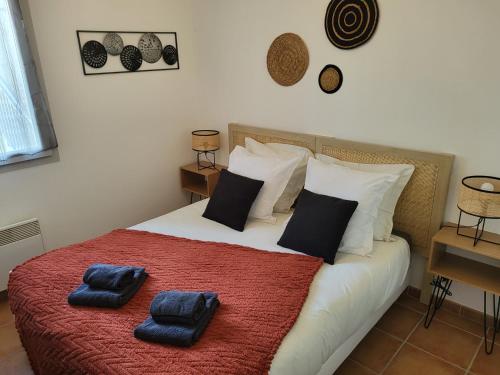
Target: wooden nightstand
[449, 267]
[200, 182]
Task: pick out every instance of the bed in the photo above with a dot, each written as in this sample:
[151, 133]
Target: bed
[344, 300]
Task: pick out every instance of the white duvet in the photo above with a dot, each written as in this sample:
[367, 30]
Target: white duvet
[342, 297]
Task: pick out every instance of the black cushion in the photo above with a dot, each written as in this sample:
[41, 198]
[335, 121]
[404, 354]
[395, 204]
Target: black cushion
[318, 225]
[232, 199]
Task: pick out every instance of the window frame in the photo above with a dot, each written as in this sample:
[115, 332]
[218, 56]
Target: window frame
[24, 14]
[23, 158]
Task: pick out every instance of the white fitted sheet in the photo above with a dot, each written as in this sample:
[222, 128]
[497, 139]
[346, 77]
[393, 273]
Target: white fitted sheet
[341, 298]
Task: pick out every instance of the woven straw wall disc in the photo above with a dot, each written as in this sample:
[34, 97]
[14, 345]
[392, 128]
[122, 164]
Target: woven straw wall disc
[287, 59]
[330, 79]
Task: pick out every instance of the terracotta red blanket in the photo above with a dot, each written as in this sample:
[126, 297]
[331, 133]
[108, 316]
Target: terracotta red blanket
[261, 295]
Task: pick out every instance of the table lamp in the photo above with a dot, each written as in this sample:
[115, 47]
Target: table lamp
[205, 143]
[479, 197]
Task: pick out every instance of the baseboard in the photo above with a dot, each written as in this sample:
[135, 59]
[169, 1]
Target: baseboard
[451, 306]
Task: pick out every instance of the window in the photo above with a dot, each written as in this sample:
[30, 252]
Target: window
[25, 125]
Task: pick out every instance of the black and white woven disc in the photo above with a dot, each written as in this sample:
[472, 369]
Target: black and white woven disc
[94, 54]
[351, 23]
[150, 47]
[113, 44]
[131, 58]
[170, 55]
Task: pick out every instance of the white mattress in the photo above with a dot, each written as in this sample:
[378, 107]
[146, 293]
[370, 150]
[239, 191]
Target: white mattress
[342, 297]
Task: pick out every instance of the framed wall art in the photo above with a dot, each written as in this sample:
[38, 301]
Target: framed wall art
[110, 52]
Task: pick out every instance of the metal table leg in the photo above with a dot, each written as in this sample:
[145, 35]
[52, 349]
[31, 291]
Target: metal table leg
[441, 289]
[496, 323]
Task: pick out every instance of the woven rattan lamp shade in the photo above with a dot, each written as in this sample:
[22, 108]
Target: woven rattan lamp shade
[480, 196]
[205, 140]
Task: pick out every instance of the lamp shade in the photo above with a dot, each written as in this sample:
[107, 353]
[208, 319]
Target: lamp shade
[480, 196]
[205, 140]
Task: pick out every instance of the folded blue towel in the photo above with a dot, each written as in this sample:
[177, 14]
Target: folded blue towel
[178, 307]
[107, 276]
[84, 295]
[178, 334]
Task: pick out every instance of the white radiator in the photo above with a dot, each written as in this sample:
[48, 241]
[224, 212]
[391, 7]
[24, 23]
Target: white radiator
[18, 243]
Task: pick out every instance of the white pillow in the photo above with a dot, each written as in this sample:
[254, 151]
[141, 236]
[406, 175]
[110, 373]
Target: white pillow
[275, 173]
[284, 151]
[366, 188]
[383, 224]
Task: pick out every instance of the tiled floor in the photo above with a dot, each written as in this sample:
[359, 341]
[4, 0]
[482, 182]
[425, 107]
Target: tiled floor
[399, 344]
[13, 360]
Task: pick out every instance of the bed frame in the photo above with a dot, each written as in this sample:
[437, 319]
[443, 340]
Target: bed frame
[420, 210]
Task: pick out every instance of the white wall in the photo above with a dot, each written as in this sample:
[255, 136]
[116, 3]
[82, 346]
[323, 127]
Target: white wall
[427, 80]
[121, 137]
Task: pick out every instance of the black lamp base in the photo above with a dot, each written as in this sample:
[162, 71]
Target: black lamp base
[208, 163]
[481, 221]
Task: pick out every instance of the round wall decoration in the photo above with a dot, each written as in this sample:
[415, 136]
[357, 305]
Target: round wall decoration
[113, 43]
[287, 59]
[170, 55]
[330, 79]
[131, 58]
[94, 54]
[351, 23]
[150, 47]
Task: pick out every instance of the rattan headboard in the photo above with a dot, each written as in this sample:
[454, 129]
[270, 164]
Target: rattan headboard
[420, 210]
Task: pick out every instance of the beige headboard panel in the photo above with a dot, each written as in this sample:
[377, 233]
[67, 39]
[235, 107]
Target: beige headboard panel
[420, 210]
[237, 134]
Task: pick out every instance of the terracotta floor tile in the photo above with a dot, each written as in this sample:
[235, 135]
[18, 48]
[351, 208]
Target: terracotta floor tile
[444, 341]
[487, 364]
[9, 340]
[376, 349]
[411, 303]
[16, 363]
[352, 368]
[6, 316]
[468, 325]
[399, 321]
[413, 361]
